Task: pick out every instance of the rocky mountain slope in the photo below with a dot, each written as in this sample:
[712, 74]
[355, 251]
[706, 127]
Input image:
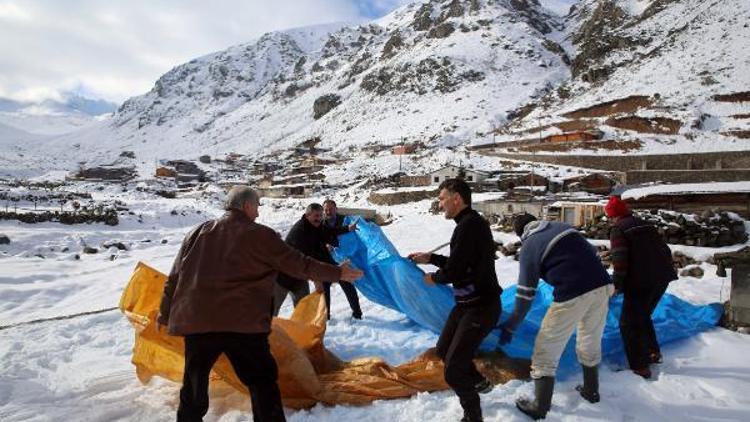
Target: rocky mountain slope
[654, 75]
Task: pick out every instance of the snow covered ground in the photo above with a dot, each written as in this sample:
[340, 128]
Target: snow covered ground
[79, 369]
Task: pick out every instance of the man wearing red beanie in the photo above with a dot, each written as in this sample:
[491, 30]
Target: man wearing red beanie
[643, 268]
[616, 207]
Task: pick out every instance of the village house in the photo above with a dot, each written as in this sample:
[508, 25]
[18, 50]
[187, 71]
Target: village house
[576, 136]
[107, 173]
[404, 149]
[309, 148]
[182, 171]
[557, 138]
[471, 176]
[511, 181]
[597, 183]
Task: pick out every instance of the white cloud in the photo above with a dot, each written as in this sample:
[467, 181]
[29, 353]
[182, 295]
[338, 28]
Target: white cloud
[11, 12]
[118, 48]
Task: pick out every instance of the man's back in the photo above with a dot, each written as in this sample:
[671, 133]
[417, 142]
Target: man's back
[223, 276]
[558, 254]
[649, 257]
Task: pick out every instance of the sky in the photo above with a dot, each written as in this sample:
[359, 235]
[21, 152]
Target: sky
[115, 49]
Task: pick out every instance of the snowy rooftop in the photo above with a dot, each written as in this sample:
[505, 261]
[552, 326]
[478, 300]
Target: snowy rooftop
[687, 188]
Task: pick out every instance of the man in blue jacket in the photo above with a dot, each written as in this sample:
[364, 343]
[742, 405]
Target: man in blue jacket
[557, 253]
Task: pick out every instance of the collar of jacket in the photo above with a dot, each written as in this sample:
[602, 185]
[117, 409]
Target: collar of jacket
[464, 212]
[533, 228]
[236, 215]
[626, 220]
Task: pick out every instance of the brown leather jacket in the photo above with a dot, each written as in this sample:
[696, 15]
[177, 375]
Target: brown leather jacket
[222, 279]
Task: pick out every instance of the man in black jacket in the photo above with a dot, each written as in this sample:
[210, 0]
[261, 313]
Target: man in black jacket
[470, 268]
[643, 268]
[334, 227]
[309, 236]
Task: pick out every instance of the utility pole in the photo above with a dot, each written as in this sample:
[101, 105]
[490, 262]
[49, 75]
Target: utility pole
[400, 153]
[494, 132]
[533, 152]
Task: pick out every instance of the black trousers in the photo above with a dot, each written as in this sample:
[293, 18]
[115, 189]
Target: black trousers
[458, 343]
[250, 355]
[351, 296]
[636, 325]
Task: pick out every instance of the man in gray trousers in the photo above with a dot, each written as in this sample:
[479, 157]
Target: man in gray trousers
[557, 253]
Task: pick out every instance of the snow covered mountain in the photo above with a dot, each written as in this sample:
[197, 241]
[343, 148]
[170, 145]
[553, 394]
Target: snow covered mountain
[653, 75]
[435, 72]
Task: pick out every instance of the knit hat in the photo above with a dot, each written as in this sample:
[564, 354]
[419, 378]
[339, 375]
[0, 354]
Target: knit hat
[520, 221]
[616, 207]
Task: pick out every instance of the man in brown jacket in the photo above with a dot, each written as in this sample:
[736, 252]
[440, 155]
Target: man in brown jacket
[219, 295]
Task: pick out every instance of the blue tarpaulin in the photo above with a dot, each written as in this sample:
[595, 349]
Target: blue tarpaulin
[396, 283]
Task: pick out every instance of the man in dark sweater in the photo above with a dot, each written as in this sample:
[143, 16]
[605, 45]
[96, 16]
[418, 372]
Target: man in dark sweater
[334, 226]
[470, 268]
[557, 253]
[309, 236]
[643, 269]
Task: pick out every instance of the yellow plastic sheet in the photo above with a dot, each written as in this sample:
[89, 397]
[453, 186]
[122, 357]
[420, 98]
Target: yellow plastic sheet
[308, 372]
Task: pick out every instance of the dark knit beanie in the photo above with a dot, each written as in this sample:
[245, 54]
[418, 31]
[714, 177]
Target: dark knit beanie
[520, 221]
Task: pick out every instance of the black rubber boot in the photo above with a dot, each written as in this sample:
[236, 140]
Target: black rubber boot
[484, 386]
[590, 388]
[538, 408]
[472, 407]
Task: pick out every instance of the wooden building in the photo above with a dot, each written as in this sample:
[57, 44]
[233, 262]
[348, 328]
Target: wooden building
[404, 149]
[578, 136]
[577, 214]
[597, 183]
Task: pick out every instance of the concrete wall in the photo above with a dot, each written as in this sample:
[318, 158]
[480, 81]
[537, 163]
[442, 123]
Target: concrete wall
[696, 203]
[500, 207]
[623, 163]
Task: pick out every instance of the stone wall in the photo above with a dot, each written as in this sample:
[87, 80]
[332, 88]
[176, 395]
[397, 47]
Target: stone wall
[687, 176]
[624, 163]
[401, 197]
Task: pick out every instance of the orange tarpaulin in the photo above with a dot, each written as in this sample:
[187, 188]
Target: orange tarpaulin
[308, 372]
